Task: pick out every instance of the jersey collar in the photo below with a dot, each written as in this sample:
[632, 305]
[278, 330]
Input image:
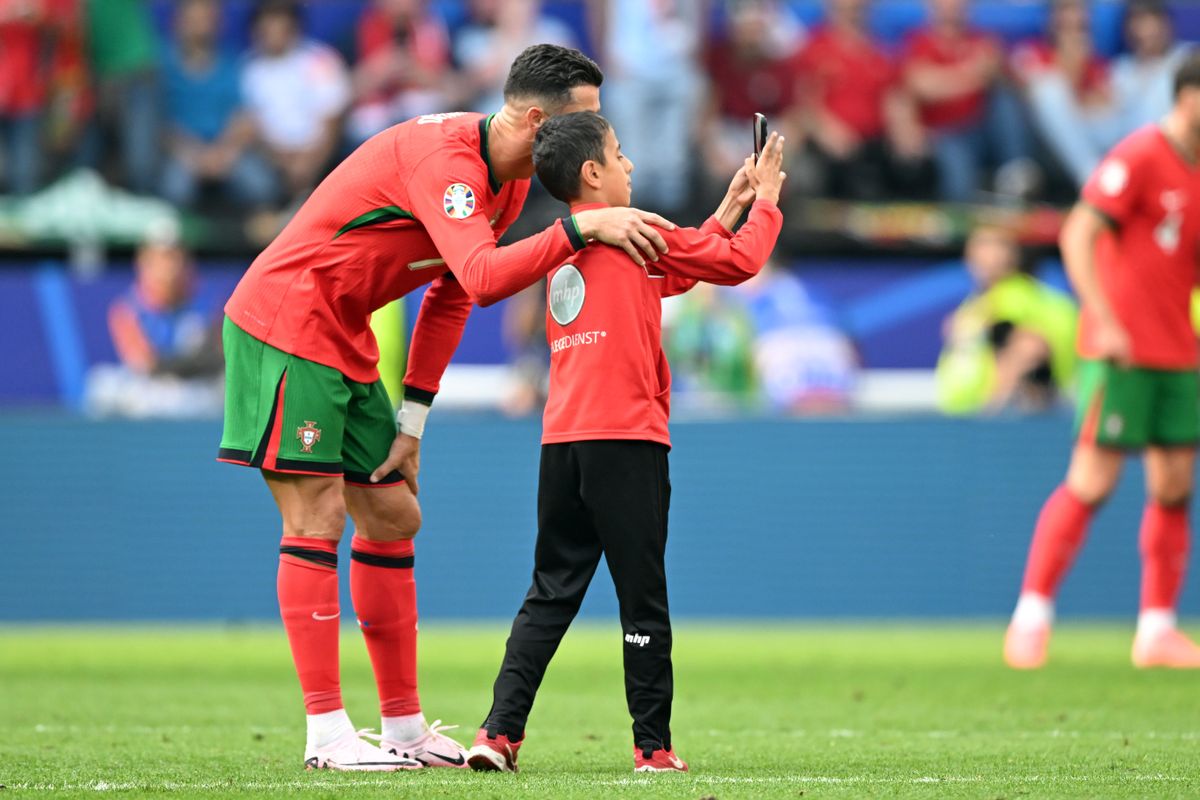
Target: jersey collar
[577, 207]
[484, 125]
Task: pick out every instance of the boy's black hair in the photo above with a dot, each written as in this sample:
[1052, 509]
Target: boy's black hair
[1188, 74]
[547, 73]
[267, 7]
[563, 145]
[1156, 7]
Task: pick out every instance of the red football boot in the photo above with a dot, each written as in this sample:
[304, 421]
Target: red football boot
[493, 753]
[657, 761]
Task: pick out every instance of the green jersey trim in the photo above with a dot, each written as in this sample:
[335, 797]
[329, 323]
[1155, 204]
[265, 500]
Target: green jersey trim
[484, 125]
[376, 216]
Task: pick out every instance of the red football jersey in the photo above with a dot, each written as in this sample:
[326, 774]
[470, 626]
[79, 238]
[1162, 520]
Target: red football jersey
[414, 203]
[608, 376]
[1147, 262]
[927, 46]
[849, 78]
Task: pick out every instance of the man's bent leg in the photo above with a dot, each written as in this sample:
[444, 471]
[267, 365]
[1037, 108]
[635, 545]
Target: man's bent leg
[384, 592]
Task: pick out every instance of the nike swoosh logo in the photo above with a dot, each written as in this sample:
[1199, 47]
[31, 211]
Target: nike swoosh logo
[458, 762]
[320, 618]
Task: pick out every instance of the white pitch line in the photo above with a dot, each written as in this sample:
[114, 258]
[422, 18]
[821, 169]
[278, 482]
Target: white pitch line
[834, 733]
[527, 783]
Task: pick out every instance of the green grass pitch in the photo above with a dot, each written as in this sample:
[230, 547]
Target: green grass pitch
[761, 711]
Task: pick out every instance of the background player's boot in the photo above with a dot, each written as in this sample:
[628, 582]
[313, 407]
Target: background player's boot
[1167, 647]
[493, 753]
[647, 760]
[1025, 646]
[433, 748]
[352, 754]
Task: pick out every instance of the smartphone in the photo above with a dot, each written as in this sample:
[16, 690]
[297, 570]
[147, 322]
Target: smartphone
[760, 135]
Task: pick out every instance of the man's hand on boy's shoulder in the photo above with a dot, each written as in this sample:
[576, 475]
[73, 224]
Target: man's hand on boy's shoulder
[631, 229]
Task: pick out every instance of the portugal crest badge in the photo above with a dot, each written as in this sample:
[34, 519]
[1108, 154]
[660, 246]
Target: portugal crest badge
[308, 435]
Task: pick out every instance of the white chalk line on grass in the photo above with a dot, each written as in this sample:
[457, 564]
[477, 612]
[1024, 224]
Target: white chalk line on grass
[536, 782]
[834, 733]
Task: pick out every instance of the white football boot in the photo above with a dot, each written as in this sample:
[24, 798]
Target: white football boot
[352, 754]
[432, 749]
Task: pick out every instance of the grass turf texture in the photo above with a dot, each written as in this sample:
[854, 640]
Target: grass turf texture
[760, 711]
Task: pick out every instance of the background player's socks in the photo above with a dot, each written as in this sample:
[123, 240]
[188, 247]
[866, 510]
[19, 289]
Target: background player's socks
[1061, 529]
[1153, 622]
[1033, 611]
[308, 604]
[326, 729]
[1164, 545]
[385, 600]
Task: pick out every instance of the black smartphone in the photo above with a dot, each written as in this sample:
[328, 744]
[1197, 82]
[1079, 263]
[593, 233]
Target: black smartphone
[760, 135]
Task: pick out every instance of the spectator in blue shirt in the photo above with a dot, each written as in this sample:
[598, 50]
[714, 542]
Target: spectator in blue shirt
[211, 140]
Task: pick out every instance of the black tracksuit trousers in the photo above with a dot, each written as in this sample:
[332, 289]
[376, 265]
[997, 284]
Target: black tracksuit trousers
[596, 497]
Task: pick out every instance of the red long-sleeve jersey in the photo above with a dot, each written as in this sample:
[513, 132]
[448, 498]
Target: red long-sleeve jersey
[418, 202]
[609, 378]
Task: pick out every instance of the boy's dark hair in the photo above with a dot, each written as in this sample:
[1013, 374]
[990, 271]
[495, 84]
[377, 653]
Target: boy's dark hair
[264, 8]
[547, 73]
[1156, 7]
[1188, 74]
[563, 145]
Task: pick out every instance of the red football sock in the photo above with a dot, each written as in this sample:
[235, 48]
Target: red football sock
[1061, 529]
[1164, 543]
[385, 600]
[308, 604]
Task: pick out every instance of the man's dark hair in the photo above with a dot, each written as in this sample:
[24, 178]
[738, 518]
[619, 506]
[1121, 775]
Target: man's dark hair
[1188, 74]
[563, 145]
[547, 73]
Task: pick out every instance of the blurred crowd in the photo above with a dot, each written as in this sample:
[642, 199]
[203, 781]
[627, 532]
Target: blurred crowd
[950, 113]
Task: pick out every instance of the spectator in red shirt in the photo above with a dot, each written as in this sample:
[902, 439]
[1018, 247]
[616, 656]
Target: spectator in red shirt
[956, 77]
[1069, 91]
[751, 68]
[403, 68]
[862, 123]
[24, 31]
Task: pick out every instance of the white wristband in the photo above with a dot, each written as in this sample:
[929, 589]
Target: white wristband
[411, 418]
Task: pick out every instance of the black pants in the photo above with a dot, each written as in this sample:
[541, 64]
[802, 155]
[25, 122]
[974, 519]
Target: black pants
[607, 497]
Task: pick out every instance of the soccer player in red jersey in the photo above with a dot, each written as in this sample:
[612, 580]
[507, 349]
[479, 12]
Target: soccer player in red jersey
[1130, 248]
[604, 487]
[423, 201]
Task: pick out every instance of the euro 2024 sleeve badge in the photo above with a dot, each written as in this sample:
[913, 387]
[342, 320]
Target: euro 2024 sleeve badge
[459, 201]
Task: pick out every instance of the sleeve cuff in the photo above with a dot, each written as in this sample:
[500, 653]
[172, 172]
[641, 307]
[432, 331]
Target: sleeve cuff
[422, 396]
[1108, 218]
[571, 227]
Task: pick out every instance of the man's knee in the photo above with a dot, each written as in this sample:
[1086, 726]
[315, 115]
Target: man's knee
[325, 519]
[389, 521]
[1171, 497]
[1170, 487]
[1093, 475]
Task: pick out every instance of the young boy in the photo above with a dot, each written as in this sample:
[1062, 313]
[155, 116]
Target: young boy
[604, 487]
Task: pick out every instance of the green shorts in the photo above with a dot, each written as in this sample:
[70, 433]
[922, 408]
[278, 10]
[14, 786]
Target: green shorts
[287, 414]
[1131, 408]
